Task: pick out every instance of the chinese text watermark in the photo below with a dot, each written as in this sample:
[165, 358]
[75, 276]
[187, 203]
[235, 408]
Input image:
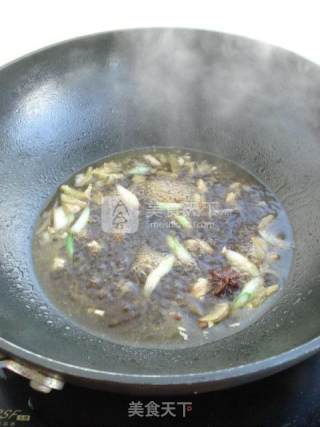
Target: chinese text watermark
[161, 409]
[119, 217]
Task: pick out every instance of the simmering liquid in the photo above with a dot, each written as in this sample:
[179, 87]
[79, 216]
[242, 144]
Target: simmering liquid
[163, 248]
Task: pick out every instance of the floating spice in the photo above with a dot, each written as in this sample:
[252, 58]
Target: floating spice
[224, 282]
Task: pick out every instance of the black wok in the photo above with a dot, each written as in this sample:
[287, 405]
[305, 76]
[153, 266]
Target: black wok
[73, 103]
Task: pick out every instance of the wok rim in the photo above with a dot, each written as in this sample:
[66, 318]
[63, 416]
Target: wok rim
[243, 373]
[160, 28]
[251, 370]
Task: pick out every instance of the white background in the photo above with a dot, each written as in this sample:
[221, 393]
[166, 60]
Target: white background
[26, 25]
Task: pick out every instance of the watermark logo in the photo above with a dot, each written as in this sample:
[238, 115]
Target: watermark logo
[159, 410]
[190, 214]
[117, 217]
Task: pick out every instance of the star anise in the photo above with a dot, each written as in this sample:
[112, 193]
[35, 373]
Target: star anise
[224, 282]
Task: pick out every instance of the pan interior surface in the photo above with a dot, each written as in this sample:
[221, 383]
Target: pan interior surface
[71, 104]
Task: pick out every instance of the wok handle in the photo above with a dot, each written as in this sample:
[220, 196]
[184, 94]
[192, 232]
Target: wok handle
[43, 382]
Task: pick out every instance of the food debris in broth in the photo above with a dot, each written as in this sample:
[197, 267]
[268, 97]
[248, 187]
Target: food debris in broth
[163, 248]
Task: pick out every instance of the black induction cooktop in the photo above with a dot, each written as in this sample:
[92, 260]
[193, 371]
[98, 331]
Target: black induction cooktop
[288, 399]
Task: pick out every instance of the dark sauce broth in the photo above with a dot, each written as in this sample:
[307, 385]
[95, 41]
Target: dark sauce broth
[95, 249]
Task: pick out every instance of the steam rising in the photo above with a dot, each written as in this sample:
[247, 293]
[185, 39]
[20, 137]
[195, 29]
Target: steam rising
[185, 80]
